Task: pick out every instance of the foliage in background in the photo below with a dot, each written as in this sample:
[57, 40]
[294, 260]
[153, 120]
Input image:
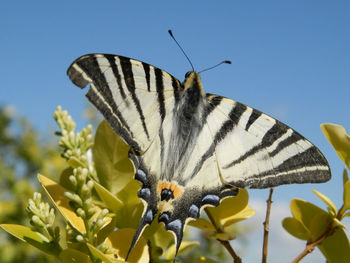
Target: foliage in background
[22, 155]
[96, 196]
[319, 227]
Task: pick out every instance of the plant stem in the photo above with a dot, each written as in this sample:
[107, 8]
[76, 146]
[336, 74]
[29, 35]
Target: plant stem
[150, 251]
[311, 246]
[267, 227]
[329, 231]
[225, 243]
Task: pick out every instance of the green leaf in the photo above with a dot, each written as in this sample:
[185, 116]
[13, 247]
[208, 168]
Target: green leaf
[56, 194]
[185, 247]
[33, 238]
[131, 212]
[203, 224]
[295, 228]
[313, 218]
[98, 254]
[331, 206]
[346, 196]
[110, 200]
[105, 231]
[246, 213]
[340, 141]
[70, 255]
[229, 208]
[157, 234]
[121, 240]
[114, 169]
[336, 248]
[64, 179]
[345, 175]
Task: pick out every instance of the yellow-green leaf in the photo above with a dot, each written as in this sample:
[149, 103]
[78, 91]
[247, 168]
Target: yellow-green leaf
[157, 234]
[129, 215]
[121, 240]
[203, 224]
[345, 175]
[70, 255]
[56, 194]
[64, 179]
[105, 231]
[346, 196]
[336, 248]
[331, 206]
[114, 169]
[246, 213]
[110, 200]
[229, 207]
[104, 257]
[340, 141]
[295, 228]
[33, 238]
[313, 218]
[185, 247]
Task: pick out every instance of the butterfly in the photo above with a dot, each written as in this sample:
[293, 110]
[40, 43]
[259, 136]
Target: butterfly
[191, 149]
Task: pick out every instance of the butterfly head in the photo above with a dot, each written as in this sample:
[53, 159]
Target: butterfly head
[193, 80]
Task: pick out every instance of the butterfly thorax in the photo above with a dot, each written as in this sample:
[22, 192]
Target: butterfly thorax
[187, 122]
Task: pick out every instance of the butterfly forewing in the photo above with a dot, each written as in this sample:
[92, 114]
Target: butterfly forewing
[130, 94]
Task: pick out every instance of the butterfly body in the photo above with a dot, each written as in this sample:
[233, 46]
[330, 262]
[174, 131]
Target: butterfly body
[190, 148]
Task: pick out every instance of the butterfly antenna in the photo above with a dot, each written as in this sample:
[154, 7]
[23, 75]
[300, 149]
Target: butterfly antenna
[172, 36]
[222, 62]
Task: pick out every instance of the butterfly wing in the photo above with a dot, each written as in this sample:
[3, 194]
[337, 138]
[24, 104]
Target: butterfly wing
[257, 151]
[131, 94]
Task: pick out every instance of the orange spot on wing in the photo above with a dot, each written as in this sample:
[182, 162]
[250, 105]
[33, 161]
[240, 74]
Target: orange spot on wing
[177, 191]
[173, 186]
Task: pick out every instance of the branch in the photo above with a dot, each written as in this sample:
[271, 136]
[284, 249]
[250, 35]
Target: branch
[311, 246]
[267, 227]
[225, 243]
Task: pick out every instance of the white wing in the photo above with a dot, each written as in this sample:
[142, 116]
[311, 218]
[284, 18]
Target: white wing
[133, 96]
[255, 150]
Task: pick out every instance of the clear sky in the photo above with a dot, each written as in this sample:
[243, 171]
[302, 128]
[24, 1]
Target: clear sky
[290, 59]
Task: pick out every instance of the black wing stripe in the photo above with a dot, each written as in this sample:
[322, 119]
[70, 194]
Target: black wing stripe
[252, 118]
[91, 67]
[293, 167]
[160, 91]
[235, 115]
[126, 66]
[146, 68]
[275, 132]
[176, 86]
[293, 138]
[112, 63]
[109, 114]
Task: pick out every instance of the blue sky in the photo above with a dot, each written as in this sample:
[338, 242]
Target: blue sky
[290, 59]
